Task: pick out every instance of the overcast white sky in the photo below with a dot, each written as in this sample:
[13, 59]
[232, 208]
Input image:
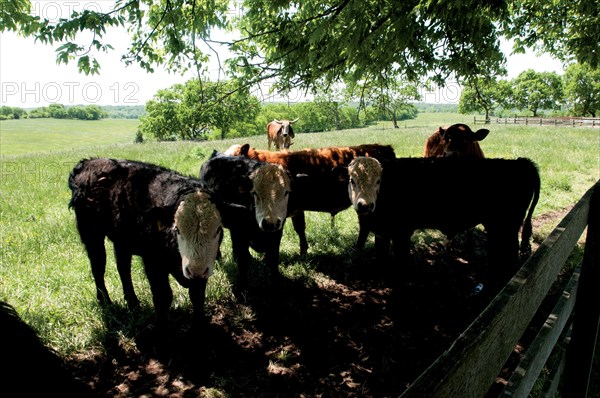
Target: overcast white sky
[30, 77]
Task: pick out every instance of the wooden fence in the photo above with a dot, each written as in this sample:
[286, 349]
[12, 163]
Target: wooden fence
[543, 121]
[470, 366]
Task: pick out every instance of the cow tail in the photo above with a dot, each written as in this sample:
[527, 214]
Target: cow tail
[527, 230]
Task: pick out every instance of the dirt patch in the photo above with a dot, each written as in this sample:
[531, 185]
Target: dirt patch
[352, 333]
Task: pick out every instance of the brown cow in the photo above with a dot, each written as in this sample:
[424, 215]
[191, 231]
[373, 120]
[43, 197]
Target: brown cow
[280, 133]
[456, 140]
[317, 186]
[460, 141]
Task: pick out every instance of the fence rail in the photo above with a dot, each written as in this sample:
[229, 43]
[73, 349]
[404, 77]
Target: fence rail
[470, 366]
[543, 121]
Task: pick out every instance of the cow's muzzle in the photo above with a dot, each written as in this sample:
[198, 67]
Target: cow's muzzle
[363, 207]
[271, 225]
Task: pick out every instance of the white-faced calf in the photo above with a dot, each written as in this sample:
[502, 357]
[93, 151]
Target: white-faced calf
[254, 206]
[500, 194]
[167, 219]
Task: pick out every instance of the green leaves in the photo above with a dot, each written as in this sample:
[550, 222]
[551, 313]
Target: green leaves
[320, 42]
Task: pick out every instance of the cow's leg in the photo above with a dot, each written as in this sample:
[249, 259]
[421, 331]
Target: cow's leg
[503, 253]
[272, 254]
[401, 247]
[299, 223]
[162, 295]
[197, 292]
[470, 241]
[241, 251]
[363, 232]
[94, 246]
[123, 258]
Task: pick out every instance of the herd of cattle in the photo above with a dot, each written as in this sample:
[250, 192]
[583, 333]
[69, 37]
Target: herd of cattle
[175, 223]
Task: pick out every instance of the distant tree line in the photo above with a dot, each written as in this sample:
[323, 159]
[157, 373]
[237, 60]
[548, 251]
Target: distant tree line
[124, 111]
[576, 93]
[55, 111]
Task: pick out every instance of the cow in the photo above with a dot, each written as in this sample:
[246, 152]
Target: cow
[456, 140]
[171, 221]
[28, 368]
[280, 132]
[460, 141]
[258, 194]
[317, 184]
[500, 194]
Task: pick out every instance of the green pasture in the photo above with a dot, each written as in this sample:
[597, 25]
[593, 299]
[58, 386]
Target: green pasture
[18, 137]
[44, 271]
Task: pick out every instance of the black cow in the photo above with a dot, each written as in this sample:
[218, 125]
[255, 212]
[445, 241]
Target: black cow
[30, 369]
[261, 192]
[170, 220]
[451, 195]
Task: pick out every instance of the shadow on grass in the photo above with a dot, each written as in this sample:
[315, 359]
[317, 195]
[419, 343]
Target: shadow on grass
[335, 325]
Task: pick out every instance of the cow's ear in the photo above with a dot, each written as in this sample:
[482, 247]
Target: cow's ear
[480, 134]
[442, 131]
[243, 184]
[340, 173]
[158, 219]
[244, 150]
[298, 180]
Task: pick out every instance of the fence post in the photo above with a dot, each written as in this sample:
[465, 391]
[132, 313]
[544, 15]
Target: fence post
[580, 352]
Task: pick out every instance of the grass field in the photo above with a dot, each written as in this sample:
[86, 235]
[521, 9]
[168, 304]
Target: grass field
[18, 137]
[45, 273]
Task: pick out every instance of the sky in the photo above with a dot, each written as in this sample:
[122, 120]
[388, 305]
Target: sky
[30, 77]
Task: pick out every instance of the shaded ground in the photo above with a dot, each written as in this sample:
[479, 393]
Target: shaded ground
[346, 334]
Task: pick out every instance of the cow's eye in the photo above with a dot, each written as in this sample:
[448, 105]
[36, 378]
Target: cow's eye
[352, 181]
[176, 230]
[287, 193]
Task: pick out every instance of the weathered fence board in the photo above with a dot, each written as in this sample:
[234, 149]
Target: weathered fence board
[469, 367]
[586, 324]
[532, 363]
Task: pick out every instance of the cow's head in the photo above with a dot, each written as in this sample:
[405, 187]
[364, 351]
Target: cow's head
[271, 186]
[199, 233]
[459, 137]
[285, 133]
[364, 180]
[233, 150]
[286, 130]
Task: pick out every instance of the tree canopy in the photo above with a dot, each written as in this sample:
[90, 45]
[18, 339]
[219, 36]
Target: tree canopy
[315, 43]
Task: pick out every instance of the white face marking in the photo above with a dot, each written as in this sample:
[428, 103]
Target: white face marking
[364, 182]
[199, 233]
[233, 150]
[271, 192]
